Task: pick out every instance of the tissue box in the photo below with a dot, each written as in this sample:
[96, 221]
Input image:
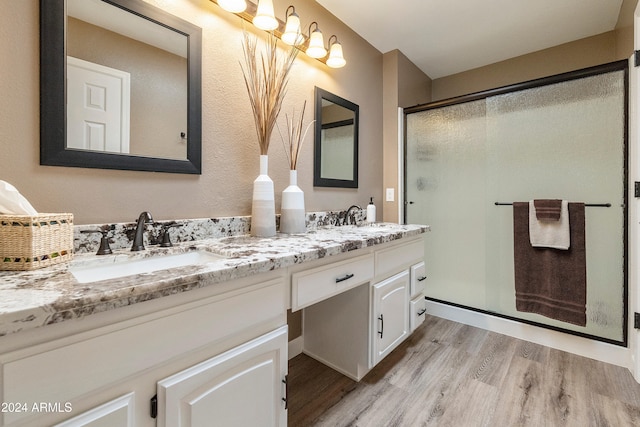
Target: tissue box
[31, 242]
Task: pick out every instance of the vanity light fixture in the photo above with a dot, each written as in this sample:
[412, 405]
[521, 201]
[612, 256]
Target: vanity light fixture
[336, 58]
[292, 34]
[233, 6]
[262, 16]
[316, 43]
[265, 18]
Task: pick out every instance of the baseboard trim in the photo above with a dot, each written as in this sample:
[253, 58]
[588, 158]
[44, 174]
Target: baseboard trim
[593, 349]
[295, 347]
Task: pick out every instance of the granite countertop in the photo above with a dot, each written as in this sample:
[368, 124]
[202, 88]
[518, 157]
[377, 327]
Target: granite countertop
[50, 295]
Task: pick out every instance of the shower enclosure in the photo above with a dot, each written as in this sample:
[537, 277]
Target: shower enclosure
[466, 159]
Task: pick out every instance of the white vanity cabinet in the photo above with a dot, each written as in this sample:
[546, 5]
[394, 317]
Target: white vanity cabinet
[213, 345]
[351, 328]
[245, 386]
[199, 351]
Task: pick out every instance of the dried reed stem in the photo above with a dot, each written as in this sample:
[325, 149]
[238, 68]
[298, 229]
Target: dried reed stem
[294, 137]
[266, 79]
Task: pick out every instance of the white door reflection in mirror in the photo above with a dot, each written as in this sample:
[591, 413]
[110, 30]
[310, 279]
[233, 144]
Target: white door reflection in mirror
[156, 59]
[98, 107]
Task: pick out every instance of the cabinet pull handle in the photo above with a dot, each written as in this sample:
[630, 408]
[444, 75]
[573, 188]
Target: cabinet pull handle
[285, 399]
[421, 278]
[153, 407]
[421, 312]
[381, 331]
[343, 278]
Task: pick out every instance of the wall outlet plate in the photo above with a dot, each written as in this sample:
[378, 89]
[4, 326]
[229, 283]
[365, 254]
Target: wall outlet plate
[390, 195]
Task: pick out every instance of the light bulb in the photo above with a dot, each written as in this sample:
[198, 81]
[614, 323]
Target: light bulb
[265, 18]
[336, 59]
[234, 6]
[316, 44]
[292, 35]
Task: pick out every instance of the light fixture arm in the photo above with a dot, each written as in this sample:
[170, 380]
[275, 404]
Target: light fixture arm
[316, 29]
[333, 36]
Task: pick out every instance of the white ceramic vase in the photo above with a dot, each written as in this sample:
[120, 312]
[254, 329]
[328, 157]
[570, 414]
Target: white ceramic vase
[263, 208]
[292, 214]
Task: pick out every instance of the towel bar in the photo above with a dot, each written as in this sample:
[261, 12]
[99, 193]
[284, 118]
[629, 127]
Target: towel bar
[591, 205]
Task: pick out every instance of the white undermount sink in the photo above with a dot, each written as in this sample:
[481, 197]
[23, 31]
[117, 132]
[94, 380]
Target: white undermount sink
[105, 269]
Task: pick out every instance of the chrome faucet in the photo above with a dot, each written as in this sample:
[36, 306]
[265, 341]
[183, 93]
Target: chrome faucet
[346, 215]
[138, 241]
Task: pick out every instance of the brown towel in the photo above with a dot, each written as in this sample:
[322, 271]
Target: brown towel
[548, 281]
[548, 210]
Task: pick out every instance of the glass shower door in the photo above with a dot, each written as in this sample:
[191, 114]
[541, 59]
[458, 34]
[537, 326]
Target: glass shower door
[560, 141]
[445, 175]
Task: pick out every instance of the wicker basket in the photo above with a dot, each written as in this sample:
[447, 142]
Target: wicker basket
[31, 242]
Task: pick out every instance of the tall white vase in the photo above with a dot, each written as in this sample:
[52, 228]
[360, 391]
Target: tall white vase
[292, 214]
[263, 208]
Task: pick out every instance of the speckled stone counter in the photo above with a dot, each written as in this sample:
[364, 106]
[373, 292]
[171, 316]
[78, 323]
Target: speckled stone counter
[52, 295]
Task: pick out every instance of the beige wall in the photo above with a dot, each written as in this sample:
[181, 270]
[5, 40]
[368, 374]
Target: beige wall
[404, 85]
[230, 151]
[596, 50]
[601, 49]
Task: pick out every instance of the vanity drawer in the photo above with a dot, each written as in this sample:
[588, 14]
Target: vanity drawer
[393, 260]
[417, 310]
[311, 286]
[418, 278]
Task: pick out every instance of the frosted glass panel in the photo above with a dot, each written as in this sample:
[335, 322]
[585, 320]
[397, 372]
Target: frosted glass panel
[445, 177]
[560, 141]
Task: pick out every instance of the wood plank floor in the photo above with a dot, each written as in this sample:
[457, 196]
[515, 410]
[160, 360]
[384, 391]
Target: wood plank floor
[450, 374]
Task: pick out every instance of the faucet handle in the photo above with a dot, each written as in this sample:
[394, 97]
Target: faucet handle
[166, 239]
[104, 248]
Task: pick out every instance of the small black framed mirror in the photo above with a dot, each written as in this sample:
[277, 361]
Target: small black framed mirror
[153, 67]
[336, 141]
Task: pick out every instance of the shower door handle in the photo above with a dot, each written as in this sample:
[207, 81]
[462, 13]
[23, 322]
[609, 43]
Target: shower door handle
[408, 203]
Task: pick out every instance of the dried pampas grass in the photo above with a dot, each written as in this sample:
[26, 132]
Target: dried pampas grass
[266, 76]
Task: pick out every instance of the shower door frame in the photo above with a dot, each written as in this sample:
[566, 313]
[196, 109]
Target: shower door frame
[622, 65]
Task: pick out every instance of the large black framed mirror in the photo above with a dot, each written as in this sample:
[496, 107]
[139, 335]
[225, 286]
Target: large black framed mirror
[95, 54]
[336, 141]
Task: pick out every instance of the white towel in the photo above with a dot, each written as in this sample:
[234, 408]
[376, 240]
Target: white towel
[550, 234]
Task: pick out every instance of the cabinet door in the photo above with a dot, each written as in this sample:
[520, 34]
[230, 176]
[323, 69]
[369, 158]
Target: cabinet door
[390, 320]
[244, 386]
[118, 412]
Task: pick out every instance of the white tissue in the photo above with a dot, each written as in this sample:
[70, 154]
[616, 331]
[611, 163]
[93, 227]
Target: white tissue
[14, 203]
